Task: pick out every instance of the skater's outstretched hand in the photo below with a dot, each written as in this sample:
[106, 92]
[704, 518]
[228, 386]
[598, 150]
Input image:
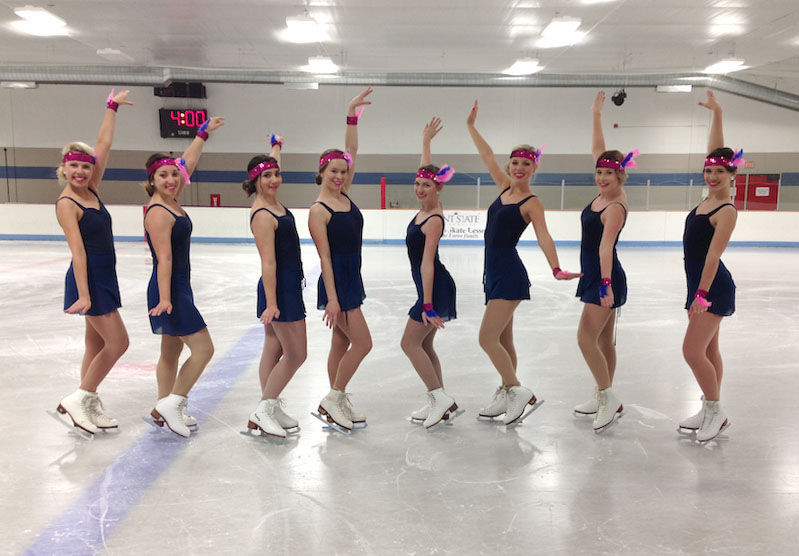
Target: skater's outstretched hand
[711, 103]
[331, 314]
[270, 314]
[472, 115]
[80, 307]
[162, 307]
[431, 129]
[436, 321]
[566, 275]
[599, 103]
[359, 101]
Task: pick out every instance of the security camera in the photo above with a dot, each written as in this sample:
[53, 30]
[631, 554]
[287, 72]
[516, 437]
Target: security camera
[618, 97]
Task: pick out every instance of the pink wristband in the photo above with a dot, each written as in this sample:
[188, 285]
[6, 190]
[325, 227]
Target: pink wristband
[110, 103]
[352, 120]
[701, 298]
[202, 134]
[427, 306]
[556, 271]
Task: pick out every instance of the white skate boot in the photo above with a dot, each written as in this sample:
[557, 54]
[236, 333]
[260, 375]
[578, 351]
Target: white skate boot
[263, 419]
[497, 406]
[714, 422]
[443, 407]
[76, 406]
[519, 398]
[169, 411]
[358, 419]
[588, 407]
[422, 413]
[286, 421]
[190, 421]
[692, 423]
[609, 408]
[333, 413]
[97, 414]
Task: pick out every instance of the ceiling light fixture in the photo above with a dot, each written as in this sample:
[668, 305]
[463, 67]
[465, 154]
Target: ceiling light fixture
[725, 66]
[673, 88]
[619, 97]
[320, 64]
[524, 66]
[303, 29]
[38, 21]
[114, 55]
[561, 31]
[18, 84]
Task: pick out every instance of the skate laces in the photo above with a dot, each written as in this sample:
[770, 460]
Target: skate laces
[182, 406]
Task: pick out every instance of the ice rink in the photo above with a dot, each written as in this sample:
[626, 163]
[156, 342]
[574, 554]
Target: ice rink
[549, 486]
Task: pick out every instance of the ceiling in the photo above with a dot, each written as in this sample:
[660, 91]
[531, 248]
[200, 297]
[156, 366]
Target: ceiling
[239, 40]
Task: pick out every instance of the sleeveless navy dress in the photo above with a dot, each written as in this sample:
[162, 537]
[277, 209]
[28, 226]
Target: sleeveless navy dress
[504, 275]
[443, 284]
[288, 272]
[185, 318]
[98, 242]
[696, 243]
[345, 236]
[588, 287]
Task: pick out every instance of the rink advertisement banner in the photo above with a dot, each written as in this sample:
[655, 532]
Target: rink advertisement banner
[464, 224]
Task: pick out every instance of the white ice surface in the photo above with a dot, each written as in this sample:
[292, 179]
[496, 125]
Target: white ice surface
[549, 486]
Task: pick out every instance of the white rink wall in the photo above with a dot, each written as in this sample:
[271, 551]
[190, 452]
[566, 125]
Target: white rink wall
[223, 224]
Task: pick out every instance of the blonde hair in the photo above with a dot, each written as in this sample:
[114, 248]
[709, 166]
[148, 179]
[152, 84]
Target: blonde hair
[523, 147]
[74, 147]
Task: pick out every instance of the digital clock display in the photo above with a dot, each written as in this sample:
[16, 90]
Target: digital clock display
[181, 122]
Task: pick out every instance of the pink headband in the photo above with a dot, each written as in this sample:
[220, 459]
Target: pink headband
[80, 157]
[442, 176]
[335, 155]
[179, 162]
[265, 165]
[627, 162]
[521, 153]
[737, 160]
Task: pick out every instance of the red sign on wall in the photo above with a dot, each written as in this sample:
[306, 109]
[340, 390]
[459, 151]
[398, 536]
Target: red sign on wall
[216, 200]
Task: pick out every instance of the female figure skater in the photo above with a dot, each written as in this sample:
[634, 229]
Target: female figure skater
[280, 306]
[711, 291]
[169, 296]
[603, 286]
[91, 287]
[505, 278]
[435, 288]
[336, 226]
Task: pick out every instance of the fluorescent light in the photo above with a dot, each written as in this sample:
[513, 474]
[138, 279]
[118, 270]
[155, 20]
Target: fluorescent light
[320, 64]
[561, 31]
[38, 21]
[18, 84]
[302, 86]
[303, 29]
[725, 66]
[524, 66]
[114, 55]
[673, 88]
[561, 26]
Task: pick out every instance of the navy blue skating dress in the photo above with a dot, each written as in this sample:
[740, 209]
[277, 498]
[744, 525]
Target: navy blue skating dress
[588, 287]
[288, 270]
[185, 319]
[504, 275]
[443, 284]
[696, 243]
[344, 236]
[98, 242]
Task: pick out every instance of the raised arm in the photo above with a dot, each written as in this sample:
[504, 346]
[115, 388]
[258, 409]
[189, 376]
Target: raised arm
[277, 147]
[716, 138]
[486, 154]
[263, 230]
[351, 135]
[192, 154]
[106, 134]
[597, 137]
[430, 131]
